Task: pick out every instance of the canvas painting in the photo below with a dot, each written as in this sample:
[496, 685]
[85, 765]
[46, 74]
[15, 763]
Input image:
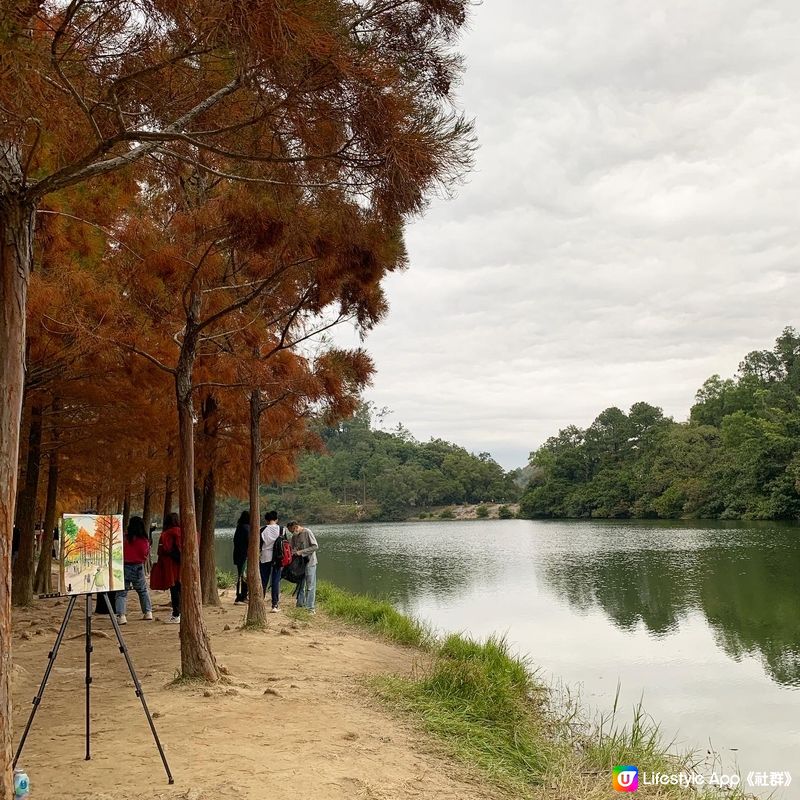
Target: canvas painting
[91, 553]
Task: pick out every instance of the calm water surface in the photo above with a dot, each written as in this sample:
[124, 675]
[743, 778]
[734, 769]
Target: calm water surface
[700, 621]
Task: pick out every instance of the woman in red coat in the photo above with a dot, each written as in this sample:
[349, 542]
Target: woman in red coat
[166, 573]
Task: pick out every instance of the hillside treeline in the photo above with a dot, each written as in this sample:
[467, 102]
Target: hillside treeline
[738, 455]
[367, 473]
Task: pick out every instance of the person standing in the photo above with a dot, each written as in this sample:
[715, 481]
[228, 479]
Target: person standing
[135, 552]
[241, 537]
[270, 569]
[166, 573]
[304, 544]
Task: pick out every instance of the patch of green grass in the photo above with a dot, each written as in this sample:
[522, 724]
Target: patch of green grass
[225, 580]
[478, 699]
[377, 615]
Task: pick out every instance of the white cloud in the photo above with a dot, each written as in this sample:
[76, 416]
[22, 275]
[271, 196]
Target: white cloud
[629, 230]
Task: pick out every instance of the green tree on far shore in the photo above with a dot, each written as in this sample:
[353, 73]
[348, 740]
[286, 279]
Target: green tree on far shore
[738, 455]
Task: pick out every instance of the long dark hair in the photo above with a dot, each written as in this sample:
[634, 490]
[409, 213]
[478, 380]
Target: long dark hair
[172, 520]
[244, 518]
[136, 529]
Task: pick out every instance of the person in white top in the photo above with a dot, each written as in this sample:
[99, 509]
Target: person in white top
[270, 571]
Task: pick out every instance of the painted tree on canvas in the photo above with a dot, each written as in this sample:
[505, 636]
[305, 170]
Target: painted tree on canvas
[107, 533]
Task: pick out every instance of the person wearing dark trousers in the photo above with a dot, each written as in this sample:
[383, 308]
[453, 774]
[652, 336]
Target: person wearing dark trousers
[270, 569]
[241, 538]
[175, 599]
[166, 573]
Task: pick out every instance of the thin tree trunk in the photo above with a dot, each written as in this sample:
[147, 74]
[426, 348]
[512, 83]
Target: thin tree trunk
[167, 499]
[44, 581]
[16, 256]
[126, 508]
[208, 557]
[197, 660]
[22, 584]
[147, 506]
[147, 516]
[256, 607]
[198, 498]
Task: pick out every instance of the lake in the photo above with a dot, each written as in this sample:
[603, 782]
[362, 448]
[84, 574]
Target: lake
[699, 621]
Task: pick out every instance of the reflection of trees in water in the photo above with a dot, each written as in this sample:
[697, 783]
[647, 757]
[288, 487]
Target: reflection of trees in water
[400, 577]
[629, 586]
[750, 595]
[751, 598]
[378, 568]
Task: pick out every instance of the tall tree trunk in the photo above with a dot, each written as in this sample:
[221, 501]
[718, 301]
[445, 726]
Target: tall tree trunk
[147, 506]
[44, 581]
[208, 558]
[256, 607]
[198, 498]
[16, 257]
[147, 516]
[126, 508]
[22, 584]
[197, 660]
[168, 489]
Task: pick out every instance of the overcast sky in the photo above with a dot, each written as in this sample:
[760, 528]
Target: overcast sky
[631, 226]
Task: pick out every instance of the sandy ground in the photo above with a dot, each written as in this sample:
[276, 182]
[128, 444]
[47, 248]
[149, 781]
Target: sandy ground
[294, 719]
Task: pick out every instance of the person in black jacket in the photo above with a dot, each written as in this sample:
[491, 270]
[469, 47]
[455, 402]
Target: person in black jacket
[241, 538]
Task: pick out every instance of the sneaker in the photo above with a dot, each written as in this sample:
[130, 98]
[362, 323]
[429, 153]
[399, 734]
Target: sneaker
[148, 615]
[122, 619]
[238, 602]
[275, 609]
[312, 610]
[173, 620]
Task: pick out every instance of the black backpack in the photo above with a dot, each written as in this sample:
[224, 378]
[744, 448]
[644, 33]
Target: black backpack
[295, 571]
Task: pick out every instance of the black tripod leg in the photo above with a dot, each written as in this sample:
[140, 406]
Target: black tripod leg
[139, 691]
[51, 657]
[88, 672]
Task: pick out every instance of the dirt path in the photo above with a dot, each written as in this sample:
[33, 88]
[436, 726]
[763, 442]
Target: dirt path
[292, 721]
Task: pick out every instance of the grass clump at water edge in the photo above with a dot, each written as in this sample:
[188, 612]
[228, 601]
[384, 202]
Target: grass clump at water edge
[490, 711]
[377, 615]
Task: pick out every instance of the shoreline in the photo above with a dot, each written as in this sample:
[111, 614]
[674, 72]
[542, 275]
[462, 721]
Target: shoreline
[379, 706]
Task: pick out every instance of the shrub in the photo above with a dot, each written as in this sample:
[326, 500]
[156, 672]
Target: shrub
[482, 512]
[505, 512]
[447, 513]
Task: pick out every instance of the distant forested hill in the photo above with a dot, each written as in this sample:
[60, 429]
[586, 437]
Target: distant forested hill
[738, 456]
[366, 473]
